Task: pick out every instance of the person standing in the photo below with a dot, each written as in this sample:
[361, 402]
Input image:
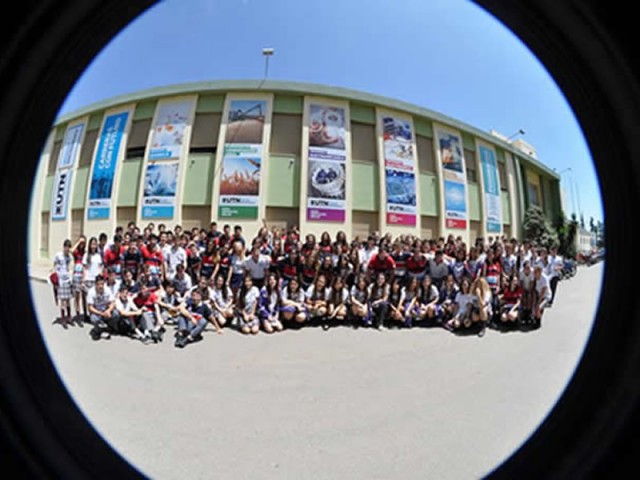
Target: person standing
[92, 263]
[79, 293]
[553, 271]
[152, 255]
[257, 266]
[114, 256]
[175, 255]
[62, 266]
[381, 262]
[438, 269]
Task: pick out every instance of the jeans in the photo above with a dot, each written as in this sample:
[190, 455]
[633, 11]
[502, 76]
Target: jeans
[554, 287]
[187, 326]
[380, 313]
[105, 324]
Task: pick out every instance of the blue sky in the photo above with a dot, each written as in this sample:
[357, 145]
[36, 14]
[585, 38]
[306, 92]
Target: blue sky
[445, 55]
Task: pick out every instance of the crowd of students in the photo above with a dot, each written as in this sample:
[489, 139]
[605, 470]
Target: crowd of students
[143, 281]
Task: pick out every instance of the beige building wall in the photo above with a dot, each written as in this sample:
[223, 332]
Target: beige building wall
[60, 230]
[35, 209]
[316, 227]
[249, 226]
[385, 227]
[93, 227]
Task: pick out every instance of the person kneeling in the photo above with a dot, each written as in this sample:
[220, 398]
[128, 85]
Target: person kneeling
[195, 315]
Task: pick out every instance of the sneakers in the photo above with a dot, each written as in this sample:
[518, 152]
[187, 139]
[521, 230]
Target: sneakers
[95, 334]
[182, 342]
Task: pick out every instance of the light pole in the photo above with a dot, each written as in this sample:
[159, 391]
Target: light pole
[519, 132]
[266, 52]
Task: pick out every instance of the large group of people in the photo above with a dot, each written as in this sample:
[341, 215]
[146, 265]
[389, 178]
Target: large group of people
[139, 282]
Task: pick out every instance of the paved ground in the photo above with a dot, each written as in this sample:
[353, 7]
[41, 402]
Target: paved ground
[311, 404]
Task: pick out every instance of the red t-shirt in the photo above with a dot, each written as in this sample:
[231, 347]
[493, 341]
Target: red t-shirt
[416, 266]
[114, 259]
[146, 303]
[511, 298]
[378, 265]
[153, 258]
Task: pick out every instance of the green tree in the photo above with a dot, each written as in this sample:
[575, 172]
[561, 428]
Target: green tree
[537, 228]
[567, 231]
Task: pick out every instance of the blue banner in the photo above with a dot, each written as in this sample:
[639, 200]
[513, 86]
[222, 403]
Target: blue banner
[492, 199]
[104, 166]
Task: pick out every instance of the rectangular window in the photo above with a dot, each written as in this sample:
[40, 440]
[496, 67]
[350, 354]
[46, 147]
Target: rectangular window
[286, 134]
[534, 194]
[502, 172]
[88, 146]
[363, 142]
[470, 163]
[53, 157]
[426, 159]
[138, 136]
[206, 129]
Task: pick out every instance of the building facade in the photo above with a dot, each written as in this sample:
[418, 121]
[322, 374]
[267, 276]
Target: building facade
[319, 157]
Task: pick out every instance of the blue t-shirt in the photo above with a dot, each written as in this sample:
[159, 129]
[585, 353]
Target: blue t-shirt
[199, 311]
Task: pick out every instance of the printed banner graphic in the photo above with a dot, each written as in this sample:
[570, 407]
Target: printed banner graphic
[168, 132]
[242, 160]
[60, 198]
[492, 200]
[451, 156]
[70, 146]
[400, 178]
[455, 205]
[160, 187]
[104, 166]
[327, 155]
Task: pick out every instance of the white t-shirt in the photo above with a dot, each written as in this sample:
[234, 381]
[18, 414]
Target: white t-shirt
[114, 289]
[219, 299]
[99, 301]
[311, 291]
[251, 298]
[174, 257]
[297, 297]
[126, 305]
[62, 266]
[463, 300]
[257, 269]
[509, 263]
[526, 281]
[542, 283]
[365, 255]
[93, 263]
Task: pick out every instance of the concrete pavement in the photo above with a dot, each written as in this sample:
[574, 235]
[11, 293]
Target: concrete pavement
[311, 404]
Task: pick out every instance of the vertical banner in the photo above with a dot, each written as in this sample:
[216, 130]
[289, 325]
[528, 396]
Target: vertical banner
[69, 152]
[327, 156]
[454, 179]
[168, 132]
[242, 160]
[400, 178]
[491, 182]
[104, 166]
[160, 189]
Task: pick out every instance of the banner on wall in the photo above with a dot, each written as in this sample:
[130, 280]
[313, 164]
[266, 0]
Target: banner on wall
[242, 160]
[453, 173]
[168, 132]
[60, 199]
[70, 146]
[492, 198]
[400, 179]
[327, 155]
[160, 188]
[104, 166]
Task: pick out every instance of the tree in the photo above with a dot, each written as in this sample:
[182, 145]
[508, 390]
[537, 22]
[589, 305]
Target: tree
[566, 231]
[592, 226]
[537, 228]
[581, 221]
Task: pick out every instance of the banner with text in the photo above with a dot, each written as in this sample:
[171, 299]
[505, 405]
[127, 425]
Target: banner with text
[492, 199]
[168, 132]
[242, 160]
[160, 188]
[104, 166]
[60, 200]
[67, 158]
[327, 156]
[400, 178]
[454, 179]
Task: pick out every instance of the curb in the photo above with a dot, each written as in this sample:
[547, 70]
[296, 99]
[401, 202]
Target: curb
[38, 279]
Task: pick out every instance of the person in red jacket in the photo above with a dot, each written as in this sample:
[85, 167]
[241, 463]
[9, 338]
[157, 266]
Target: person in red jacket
[114, 256]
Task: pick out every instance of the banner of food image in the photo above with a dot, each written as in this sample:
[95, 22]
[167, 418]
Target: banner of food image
[70, 146]
[104, 166]
[491, 182]
[160, 189]
[327, 155]
[242, 160]
[451, 156]
[401, 197]
[400, 179]
[60, 197]
[455, 204]
[168, 131]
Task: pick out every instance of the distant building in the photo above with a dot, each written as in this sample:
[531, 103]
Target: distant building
[585, 241]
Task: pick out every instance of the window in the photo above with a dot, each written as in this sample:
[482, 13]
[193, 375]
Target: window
[206, 129]
[426, 158]
[470, 163]
[53, 157]
[363, 142]
[502, 172]
[88, 146]
[286, 134]
[137, 142]
[534, 194]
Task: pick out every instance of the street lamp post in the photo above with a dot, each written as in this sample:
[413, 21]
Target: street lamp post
[519, 132]
[266, 52]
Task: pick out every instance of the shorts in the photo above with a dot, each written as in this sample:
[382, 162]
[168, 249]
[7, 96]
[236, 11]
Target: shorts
[64, 290]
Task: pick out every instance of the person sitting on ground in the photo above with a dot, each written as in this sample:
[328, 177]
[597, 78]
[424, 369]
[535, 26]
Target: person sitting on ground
[317, 296]
[463, 307]
[194, 315]
[247, 310]
[482, 304]
[396, 314]
[129, 315]
[543, 294]
[151, 322]
[101, 305]
[222, 301]
[269, 306]
[410, 301]
[169, 302]
[446, 300]
[511, 302]
[378, 300]
[427, 300]
[360, 301]
[293, 302]
[526, 280]
[338, 301]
